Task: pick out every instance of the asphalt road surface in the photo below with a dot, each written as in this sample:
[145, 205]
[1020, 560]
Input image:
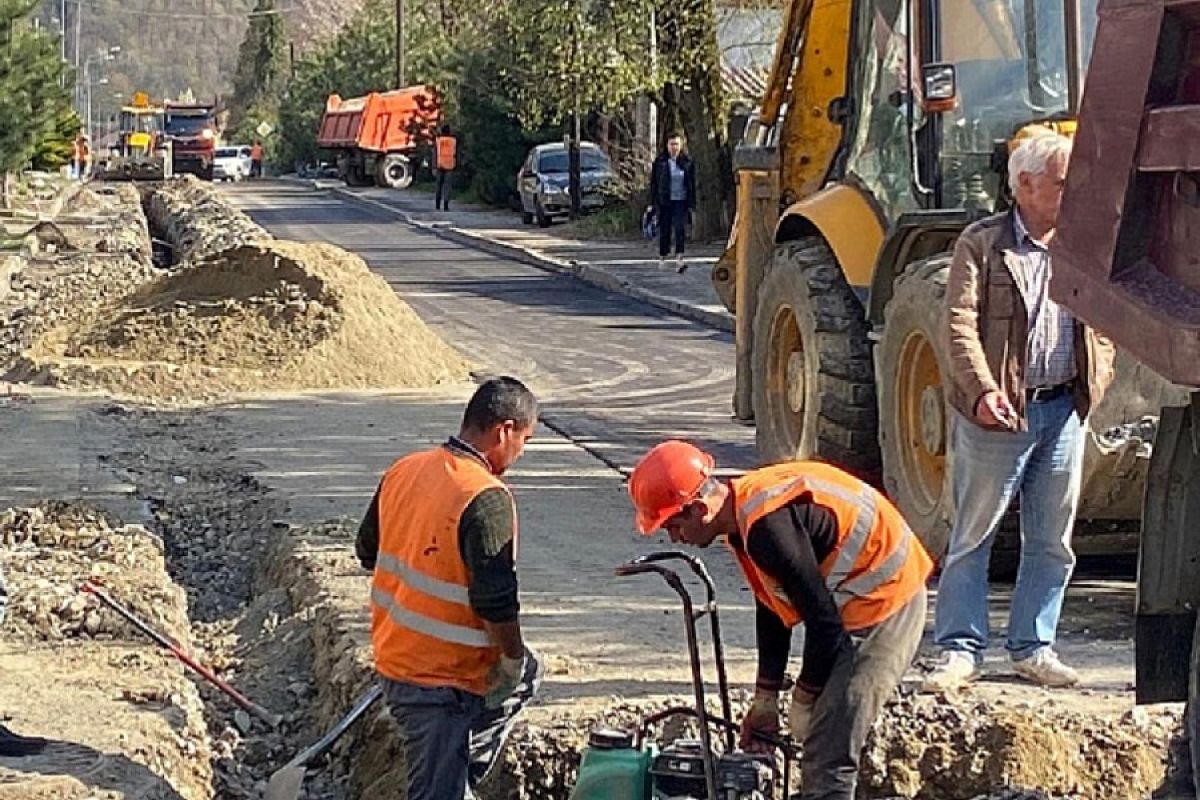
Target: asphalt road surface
[615, 375]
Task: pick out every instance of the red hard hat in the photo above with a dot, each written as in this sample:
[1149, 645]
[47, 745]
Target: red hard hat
[665, 480]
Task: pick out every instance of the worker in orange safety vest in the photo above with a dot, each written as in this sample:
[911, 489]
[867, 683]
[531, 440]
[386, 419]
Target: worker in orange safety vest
[445, 160]
[441, 538]
[817, 546]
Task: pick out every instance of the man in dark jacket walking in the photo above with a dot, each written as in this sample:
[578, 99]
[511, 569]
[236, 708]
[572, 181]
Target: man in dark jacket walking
[673, 194]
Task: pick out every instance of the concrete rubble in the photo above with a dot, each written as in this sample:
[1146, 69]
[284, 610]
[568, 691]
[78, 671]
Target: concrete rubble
[239, 311]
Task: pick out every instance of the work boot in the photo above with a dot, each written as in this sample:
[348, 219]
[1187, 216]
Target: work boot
[1045, 669]
[954, 670]
[14, 745]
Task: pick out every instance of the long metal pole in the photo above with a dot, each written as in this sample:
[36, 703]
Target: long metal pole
[78, 30]
[62, 27]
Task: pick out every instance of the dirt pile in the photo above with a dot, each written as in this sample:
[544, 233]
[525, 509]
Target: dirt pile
[241, 317]
[272, 316]
[197, 222]
[121, 717]
[108, 259]
[935, 747]
[52, 548]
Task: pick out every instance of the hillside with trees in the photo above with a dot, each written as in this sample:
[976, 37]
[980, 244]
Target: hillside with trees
[171, 46]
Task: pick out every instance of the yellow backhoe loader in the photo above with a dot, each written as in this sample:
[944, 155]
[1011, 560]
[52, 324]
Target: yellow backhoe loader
[141, 152]
[885, 131]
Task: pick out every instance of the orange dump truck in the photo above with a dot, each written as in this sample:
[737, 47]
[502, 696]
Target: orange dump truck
[375, 137]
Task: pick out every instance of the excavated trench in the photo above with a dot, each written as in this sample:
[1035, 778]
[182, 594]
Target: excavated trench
[279, 612]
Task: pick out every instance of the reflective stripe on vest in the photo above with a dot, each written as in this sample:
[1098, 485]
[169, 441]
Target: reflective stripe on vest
[853, 571]
[423, 629]
[447, 632]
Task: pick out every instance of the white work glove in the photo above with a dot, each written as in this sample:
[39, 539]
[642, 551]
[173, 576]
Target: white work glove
[800, 713]
[762, 717]
[503, 680]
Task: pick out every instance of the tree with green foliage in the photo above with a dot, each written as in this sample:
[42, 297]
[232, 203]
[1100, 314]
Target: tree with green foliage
[57, 147]
[33, 99]
[260, 77]
[694, 103]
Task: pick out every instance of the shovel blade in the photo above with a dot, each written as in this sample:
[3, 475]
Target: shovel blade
[285, 784]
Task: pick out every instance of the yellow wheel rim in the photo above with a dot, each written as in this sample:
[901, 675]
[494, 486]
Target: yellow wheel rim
[787, 381]
[921, 421]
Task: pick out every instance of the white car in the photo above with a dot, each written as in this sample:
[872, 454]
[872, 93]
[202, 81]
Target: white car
[231, 163]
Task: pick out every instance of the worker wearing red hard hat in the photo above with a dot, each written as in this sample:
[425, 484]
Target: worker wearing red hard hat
[817, 546]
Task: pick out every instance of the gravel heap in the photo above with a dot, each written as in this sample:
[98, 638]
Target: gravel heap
[51, 291]
[932, 748]
[264, 316]
[197, 222]
[943, 747]
[52, 548]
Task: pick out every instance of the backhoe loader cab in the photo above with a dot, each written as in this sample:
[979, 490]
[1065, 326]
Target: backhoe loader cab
[884, 131]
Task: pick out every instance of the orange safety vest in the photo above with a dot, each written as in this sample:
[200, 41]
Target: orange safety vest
[423, 628]
[256, 153]
[447, 151]
[878, 564]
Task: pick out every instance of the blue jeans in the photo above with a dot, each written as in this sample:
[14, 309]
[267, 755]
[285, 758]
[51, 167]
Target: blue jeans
[449, 738]
[1044, 464]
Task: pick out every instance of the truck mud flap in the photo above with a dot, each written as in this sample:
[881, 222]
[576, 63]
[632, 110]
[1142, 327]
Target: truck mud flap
[1169, 564]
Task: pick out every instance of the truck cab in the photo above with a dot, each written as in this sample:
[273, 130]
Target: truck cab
[192, 130]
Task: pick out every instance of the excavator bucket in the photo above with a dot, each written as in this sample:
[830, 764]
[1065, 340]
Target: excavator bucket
[1127, 261]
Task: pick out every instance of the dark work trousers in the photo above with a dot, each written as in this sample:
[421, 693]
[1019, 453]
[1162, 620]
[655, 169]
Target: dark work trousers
[450, 739]
[865, 676]
[256, 168]
[672, 221]
[441, 198]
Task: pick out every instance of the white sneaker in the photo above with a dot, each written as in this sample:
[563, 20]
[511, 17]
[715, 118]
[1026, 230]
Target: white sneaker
[954, 670]
[1044, 669]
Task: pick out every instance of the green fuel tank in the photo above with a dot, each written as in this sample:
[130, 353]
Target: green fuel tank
[613, 769]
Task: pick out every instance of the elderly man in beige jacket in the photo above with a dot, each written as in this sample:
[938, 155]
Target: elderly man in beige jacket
[1024, 374]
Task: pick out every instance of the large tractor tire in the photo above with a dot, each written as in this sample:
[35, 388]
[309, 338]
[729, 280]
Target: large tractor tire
[394, 171]
[914, 419]
[814, 393]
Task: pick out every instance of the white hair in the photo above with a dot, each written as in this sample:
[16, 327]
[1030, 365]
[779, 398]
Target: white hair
[1033, 155]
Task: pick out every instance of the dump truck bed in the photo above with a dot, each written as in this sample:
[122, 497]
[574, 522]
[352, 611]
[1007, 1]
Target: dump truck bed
[381, 122]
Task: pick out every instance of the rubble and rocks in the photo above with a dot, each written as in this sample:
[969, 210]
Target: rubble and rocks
[949, 747]
[52, 548]
[109, 257]
[243, 313]
[197, 222]
[273, 316]
[122, 718]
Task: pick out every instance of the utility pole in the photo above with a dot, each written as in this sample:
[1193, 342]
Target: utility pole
[62, 26]
[399, 44]
[574, 179]
[78, 30]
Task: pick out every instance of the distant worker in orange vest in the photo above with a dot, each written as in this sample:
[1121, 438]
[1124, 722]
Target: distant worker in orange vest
[446, 159]
[441, 537]
[256, 159]
[817, 546]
